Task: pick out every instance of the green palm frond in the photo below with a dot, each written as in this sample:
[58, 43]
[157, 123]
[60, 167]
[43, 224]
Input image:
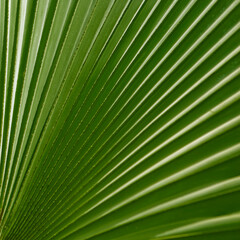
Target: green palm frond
[120, 119]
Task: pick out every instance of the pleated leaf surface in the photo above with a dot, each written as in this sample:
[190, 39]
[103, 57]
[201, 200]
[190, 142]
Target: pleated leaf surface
[120, 119]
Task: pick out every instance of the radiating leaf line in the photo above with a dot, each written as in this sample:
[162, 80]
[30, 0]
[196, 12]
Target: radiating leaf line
[17, 114]
[32, 28]
[211, 191]
[58, 58]
[238, 120]
[233, 218]
[119, 119]
[184, 173]
[221, 84]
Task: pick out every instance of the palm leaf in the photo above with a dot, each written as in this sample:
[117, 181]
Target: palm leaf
[120, 119]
